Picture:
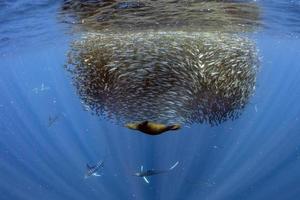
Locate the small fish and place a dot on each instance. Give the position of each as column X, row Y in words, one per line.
column 52, row 120
column 42, row 88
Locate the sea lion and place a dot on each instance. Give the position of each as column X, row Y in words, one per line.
column 152, row 128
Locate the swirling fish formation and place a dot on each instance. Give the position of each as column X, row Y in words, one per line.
column 167, row 77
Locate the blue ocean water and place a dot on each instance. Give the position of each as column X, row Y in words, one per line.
column 255, row 157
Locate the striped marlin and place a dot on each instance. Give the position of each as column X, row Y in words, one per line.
column 93, row 170
column 151, row 172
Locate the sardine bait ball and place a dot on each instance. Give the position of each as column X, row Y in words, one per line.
column 166, row 77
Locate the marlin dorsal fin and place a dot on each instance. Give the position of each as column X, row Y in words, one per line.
column 171, row 168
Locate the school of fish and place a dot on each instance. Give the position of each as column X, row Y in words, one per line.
column 164, row 76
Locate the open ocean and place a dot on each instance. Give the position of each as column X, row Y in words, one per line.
column 48, row 134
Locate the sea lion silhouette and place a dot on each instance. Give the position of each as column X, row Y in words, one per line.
column 152, row 128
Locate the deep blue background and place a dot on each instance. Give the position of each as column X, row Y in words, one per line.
column 254, row 157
